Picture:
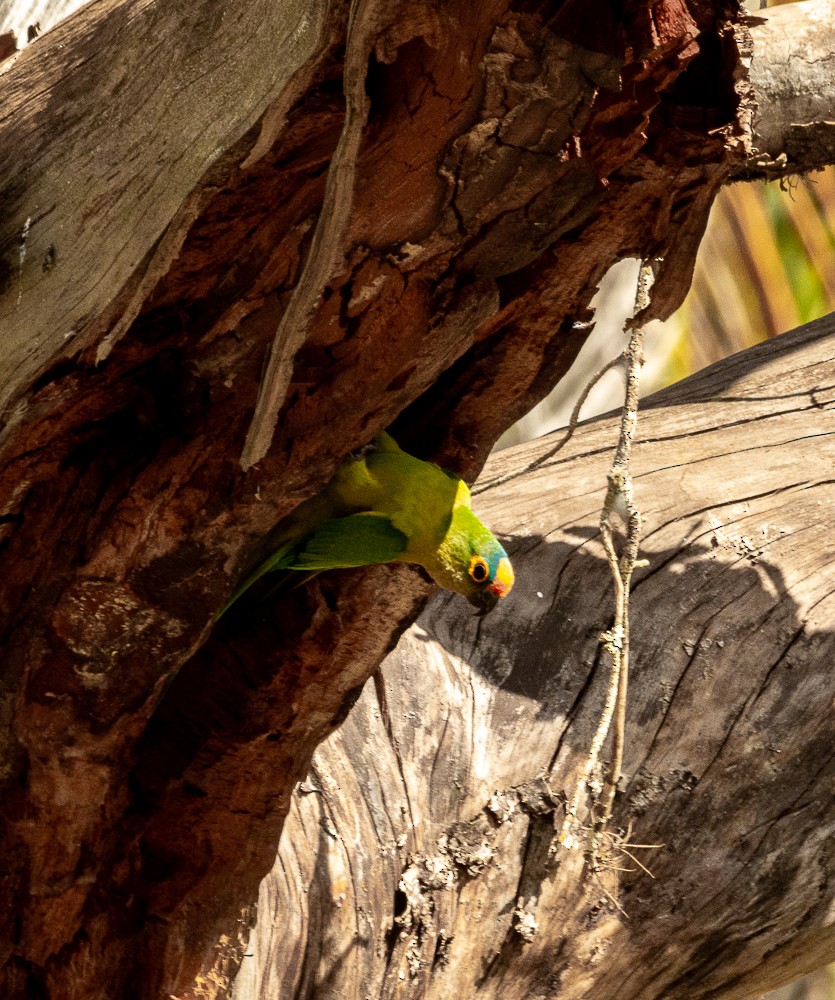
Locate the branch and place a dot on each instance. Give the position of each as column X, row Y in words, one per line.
column 620, row 502
column 439, row 800
column 793, row 76
column 328, row 245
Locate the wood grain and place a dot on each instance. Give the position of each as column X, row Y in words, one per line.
column 419, row 857
column 106, row 151
column 165, row 171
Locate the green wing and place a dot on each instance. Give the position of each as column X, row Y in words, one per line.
column 356, row 540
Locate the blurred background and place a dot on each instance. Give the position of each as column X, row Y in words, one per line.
column 819, row 985
column 766, row 265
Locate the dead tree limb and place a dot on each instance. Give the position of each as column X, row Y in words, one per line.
column 163, row 173
column 421, row 855
column 792, row 70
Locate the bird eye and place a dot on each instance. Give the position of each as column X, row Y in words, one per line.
column 479, row 570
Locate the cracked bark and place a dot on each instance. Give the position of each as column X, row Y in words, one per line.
column 164, row 176
column 729, row 755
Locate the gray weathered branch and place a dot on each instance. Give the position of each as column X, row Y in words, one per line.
column 420, row 855
column 793, row 75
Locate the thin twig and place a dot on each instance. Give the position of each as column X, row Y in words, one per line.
column 637, row 861
column 610, row 640
column 619, row 501
column 610, row 897
column 610, row 843
column 620, row 498
column 326, row 248
column 569, row 431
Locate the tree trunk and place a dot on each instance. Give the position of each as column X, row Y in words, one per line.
column 430, row 192
column 421, row 856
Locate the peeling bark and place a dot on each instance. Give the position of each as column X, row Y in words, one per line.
column 420, row 856
column 164, row 180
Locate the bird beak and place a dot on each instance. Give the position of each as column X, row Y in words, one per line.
column 485, row 601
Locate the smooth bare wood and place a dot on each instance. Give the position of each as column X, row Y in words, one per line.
column 16, row 16
column 109, row 122
column 420, row 857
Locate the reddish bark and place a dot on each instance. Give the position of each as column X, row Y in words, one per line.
column 508, row 159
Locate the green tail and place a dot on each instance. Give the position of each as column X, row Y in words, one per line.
column 282, row 559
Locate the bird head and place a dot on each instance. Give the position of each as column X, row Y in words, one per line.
column 472, row 562
column 490, row 577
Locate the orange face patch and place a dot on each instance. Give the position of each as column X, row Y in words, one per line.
column 503, row 580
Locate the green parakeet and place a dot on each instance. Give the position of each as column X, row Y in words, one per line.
column 388, row 506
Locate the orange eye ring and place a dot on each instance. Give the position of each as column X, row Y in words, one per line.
column 479, row 570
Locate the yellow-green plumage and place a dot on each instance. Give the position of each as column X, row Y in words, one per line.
column 389, row 506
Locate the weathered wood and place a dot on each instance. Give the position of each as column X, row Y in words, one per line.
column 109, row 122
column 163, row 169
column 419, row 858
column 792, row 72
column 508, row 159
column 23, row 18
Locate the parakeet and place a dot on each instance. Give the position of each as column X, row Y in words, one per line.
column 387, row 506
